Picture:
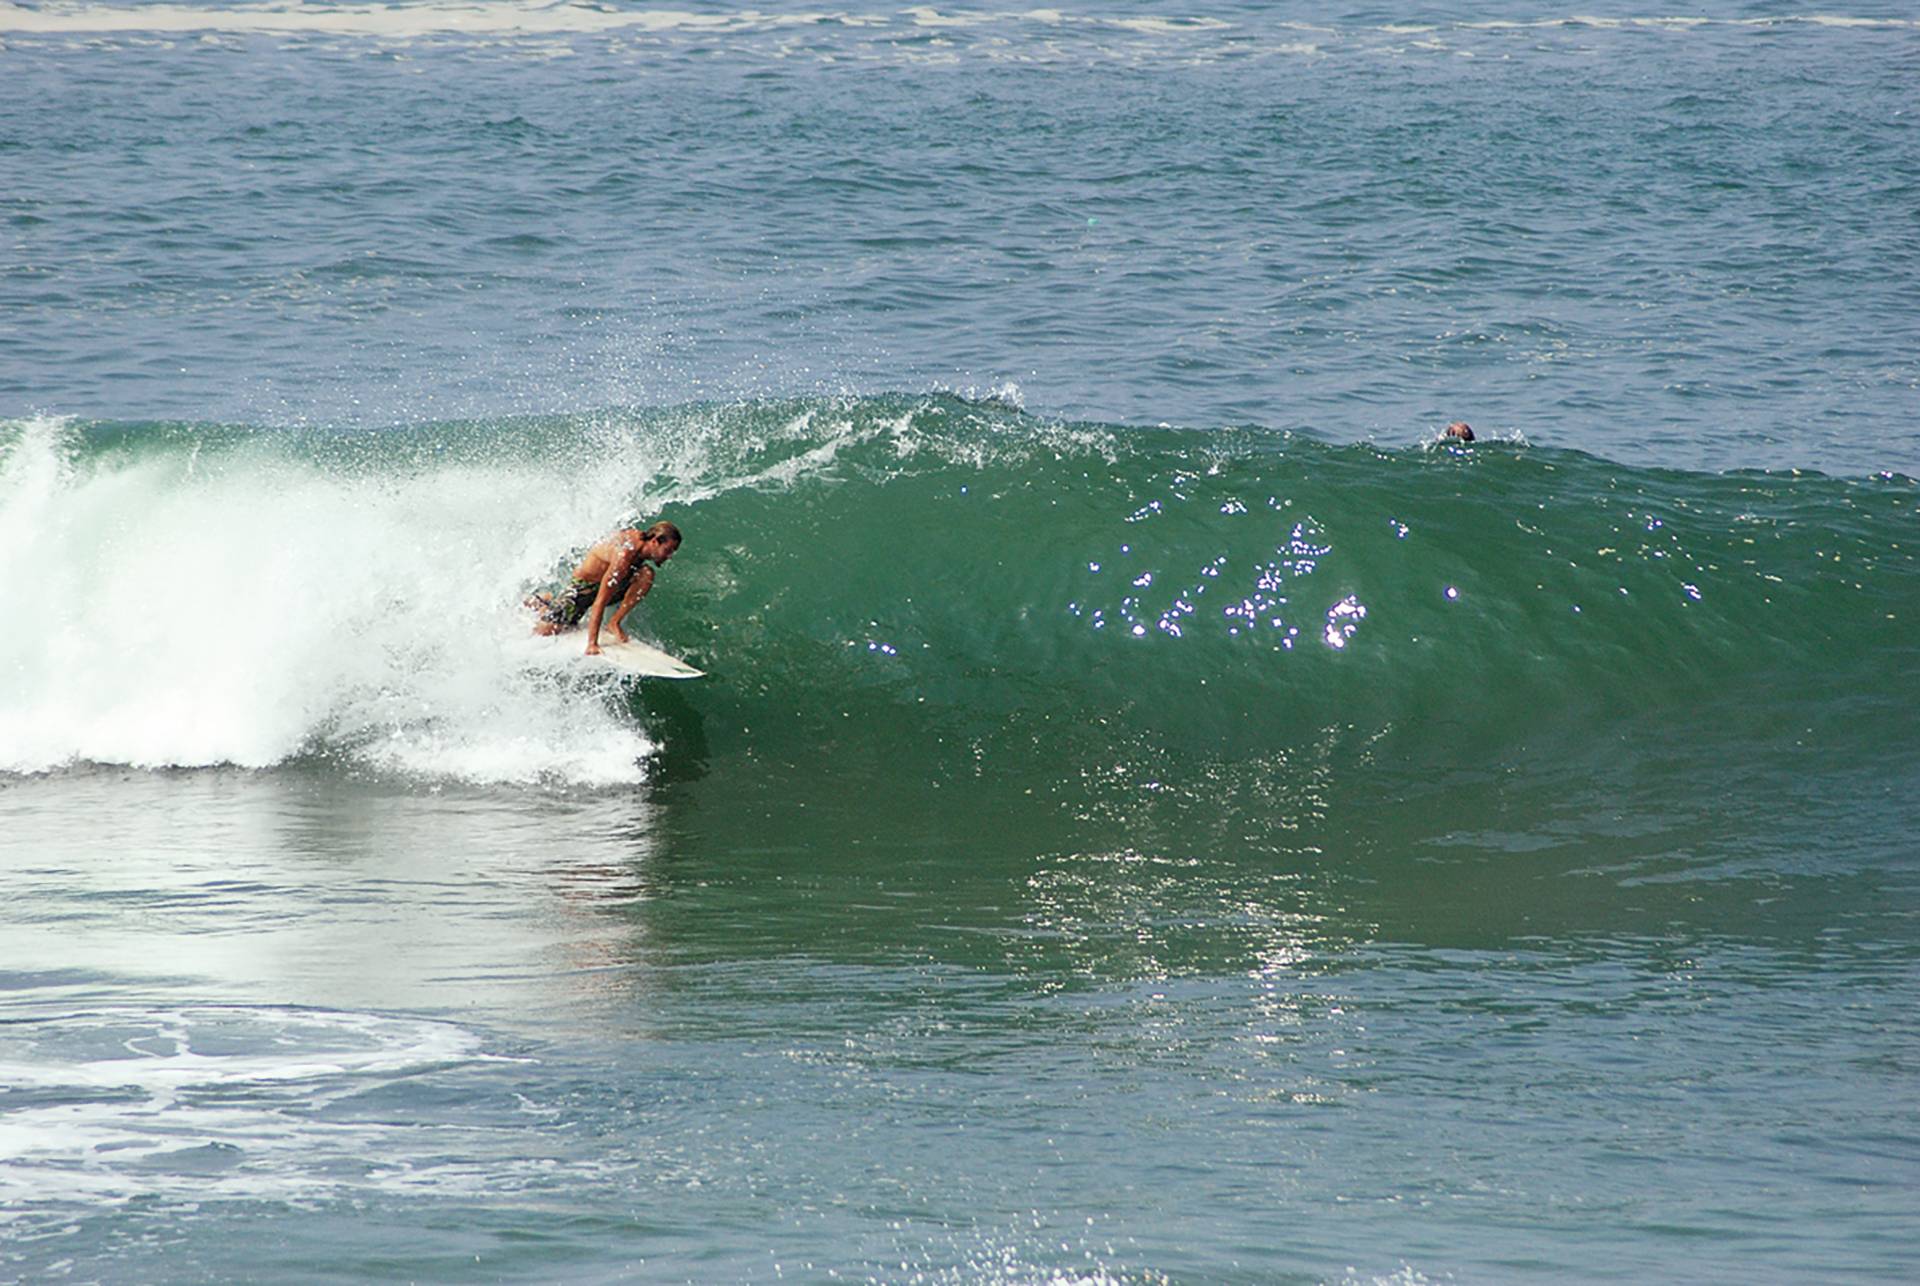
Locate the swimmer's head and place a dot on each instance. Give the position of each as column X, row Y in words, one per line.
column 1459, row 429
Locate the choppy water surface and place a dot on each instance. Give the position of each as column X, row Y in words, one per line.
column 1154, row 813
column 1687, row 241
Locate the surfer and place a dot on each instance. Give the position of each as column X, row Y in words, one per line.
column 618, row 569
column 1459, row 429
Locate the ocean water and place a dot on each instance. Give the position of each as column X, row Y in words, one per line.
column 1155, row 813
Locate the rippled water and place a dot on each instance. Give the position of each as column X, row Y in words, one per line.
column 541, row 1037
column 1687, row 242
column 1154, row 814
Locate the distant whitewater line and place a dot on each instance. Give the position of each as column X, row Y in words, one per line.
column 500, row 18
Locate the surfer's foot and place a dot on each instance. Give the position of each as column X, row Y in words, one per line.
column 541, row 604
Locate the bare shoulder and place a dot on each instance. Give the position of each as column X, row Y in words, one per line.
column 613, row 546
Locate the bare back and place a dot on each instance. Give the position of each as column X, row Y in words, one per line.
column 611, row 554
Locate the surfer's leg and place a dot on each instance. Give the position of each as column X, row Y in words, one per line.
column 568, row 612
column 543, row 606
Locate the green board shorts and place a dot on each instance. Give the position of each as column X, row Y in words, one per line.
column 567, row 608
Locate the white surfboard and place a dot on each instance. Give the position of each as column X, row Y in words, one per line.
column 633, row 656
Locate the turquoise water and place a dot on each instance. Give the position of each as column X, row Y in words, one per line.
column 1155, row 813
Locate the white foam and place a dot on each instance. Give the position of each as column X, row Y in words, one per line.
column 927, row 16
column 391, row 21
column 505, row 18
column 125, row 1104
column 1168, row 26
column 180, row 609
column 508, row 19
column 1679, row 23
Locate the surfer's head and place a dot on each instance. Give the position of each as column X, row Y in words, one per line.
column 662, row 539
column 1459, row 429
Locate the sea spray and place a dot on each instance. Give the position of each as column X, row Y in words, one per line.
column 181, row 606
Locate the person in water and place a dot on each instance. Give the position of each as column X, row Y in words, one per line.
column 1459, row 429
column 617, row 570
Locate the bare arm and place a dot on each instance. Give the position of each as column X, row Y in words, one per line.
column 636, row 590
column 617, row 568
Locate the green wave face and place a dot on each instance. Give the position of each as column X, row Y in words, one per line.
column 939, row 589
column 961, row 567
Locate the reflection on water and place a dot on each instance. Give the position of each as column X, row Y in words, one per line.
column 1132, row 916
column 229, row 986
column 866, row 1017
column 284, row 887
